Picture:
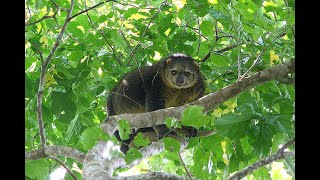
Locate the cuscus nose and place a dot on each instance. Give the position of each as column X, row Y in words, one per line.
column 180, row 80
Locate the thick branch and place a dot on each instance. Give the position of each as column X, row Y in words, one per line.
column 55, row 151
column 97, row 167
column 279, row 155
column 42, row 77
column 209, row 102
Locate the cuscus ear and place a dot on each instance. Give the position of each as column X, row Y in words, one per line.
column 168, row 61
column 195, row 64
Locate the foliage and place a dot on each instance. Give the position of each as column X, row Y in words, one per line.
column 99, row 46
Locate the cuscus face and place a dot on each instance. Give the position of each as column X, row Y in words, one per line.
column 180, row 71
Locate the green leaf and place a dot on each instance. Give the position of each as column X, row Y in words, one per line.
column 75, row 56
column 258, row 2
column 247, row 148
column 204, row 168
column 63, row 106
column 29, row 87
column 213, row 144
column 261, row 139
column 140, row 141
column 291, row 3
column 207, row 28
column 233, row 126
column 73, row 28
column 39, row 4
column 102, row 18
column 130, row 12
column 117, row 39
column 37, row 169
column 284, row 124
column 199, row 8
column 170, row 122
column 90, row 136
column 132, row 154
column 74, row 130
column 171, row 144
column 218, row 15
column 193, row 116
column 51, row 24
column 262, row 172
column 230, row 119
column 124, row 129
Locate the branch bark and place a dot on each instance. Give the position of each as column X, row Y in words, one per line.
column 220, row 51
column 44, row 67
column 55, row 151
column 279, row 155
column 95, row 166
column 64, row 166
column 209, row 102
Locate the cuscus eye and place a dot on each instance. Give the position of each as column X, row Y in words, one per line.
column 187, row 74
column 173, row 72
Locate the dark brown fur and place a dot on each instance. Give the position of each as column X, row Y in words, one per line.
column 148, row 89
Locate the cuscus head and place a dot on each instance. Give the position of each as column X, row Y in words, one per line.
column 180, row 71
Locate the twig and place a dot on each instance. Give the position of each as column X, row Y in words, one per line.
column 55, row 4
column 228, row 48
column 220, row 37
column 112, row 49
column 86, row 10
column 254, row 63
column 43, row 18
column 199, row 42
column 220, row 51
column 279, row 155
column 195, row 30
column 164, row 3
column 239, row 64
column 287, row 144
column 40, row 53
column 207, row 133
column 128, row 44
column 44, row 126
column 65, row 167
column 55, row 151
column 42, row 77
column 262, row 51
column 184, row 165
column 216, row 32
column 126, row 4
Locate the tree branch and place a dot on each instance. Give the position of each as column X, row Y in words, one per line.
column 220, row 51
column 43, row 18
column 199, row 32
column 185, row 167
column 86, row 10
column 95, row 166
column 209, row 102
column 55, row 151
column 64, row 166
column 279, row 155
column 42, row 77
